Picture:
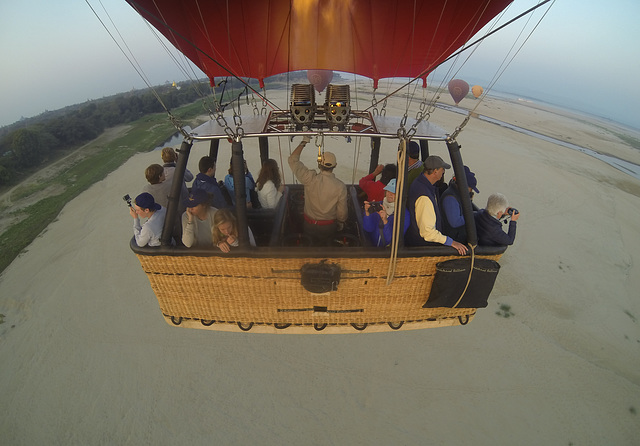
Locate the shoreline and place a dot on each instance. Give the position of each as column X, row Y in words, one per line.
column 89, row 359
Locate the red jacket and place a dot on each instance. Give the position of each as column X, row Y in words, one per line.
column 373, row 189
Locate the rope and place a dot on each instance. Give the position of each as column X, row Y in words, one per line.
column 473, row 259
column 393, row 258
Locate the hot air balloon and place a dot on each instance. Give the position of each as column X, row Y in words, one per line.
column 320, row 79
column 477, row 90
column 283, row 284
column 458, row 90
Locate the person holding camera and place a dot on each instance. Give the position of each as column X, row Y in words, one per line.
column 145, row 206
column 489, row 222
column 378, row 217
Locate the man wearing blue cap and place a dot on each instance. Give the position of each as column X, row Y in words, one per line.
column 451, row 202
column 149, row 233
column 378, row 224
column 197, row 221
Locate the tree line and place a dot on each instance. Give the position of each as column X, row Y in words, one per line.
column 31, row 142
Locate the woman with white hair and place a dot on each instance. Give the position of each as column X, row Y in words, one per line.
column 489, row 225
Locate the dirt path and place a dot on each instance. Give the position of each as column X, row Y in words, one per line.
column 10, row 205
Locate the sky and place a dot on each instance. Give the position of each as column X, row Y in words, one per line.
column 584, row 55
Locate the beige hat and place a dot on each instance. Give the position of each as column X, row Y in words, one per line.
column 328, row 160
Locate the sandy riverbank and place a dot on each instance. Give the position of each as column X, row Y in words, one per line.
column 87, row 358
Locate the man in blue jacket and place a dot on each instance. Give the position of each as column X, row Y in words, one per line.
column 206, row 180
column 426, row 221
column 489, row 226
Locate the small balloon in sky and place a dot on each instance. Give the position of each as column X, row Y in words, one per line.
column 477, row 90
column 458, row 89
column 320, row 78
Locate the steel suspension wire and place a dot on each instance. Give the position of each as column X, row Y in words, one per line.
column 138, row 69
column 466, row 47
column 500, row 72
column 200, row 50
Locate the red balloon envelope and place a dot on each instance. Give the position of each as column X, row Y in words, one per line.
column 458, row 89
column 373, row 38
column 320, row 78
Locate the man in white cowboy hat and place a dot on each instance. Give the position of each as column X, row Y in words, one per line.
column 325, row 196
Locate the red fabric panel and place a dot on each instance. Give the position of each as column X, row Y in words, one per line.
column 373, row 38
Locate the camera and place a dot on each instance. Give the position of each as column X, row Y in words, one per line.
column 512, row 211
column 375, row 206
column 127, row 198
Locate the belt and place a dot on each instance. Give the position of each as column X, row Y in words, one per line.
column 318, row 222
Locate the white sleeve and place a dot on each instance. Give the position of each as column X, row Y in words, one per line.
column 188, row 236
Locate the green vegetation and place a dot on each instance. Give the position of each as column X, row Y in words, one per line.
column 95, row 164
column 505, row 311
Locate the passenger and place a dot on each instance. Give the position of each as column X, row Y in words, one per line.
column 206, row 180
column 225, row 231
column 169, row 156
column 325, row 205
column 149, row 233
column 426, row 222
column 451, row 202
column 375, row 189
column 197, row 221
column 489, row 225
column 414, row 165
column 249, row 184
column 269, row 184
column 157, row 186
column 379, row 225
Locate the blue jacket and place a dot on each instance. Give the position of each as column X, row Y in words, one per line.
column 422, row 187
column 210, row 185
column 452, row 218
column 371, row 225
column 490, row 231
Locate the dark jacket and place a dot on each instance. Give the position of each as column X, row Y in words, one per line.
column 205, row 182
column 453, row 223
column 490, row 231
column 421, row 186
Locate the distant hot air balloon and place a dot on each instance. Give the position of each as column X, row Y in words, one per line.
column 477, row 90
column 320, row 78
column 458, row 89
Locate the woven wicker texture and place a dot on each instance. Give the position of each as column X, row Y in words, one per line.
column 268, row 291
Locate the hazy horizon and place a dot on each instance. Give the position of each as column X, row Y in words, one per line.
column 582, row 56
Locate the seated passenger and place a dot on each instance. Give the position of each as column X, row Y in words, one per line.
column 206, row 180
column 157, row 186
column 225, row 231
column 249, row 184
column 375, row 189
column 379, row 224
column 489, row 225
column 197, row 221
column 450, row 201
column 426, row 221
column 269, row 184
column 149, row 233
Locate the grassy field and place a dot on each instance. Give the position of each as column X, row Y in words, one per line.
column 94, row 164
